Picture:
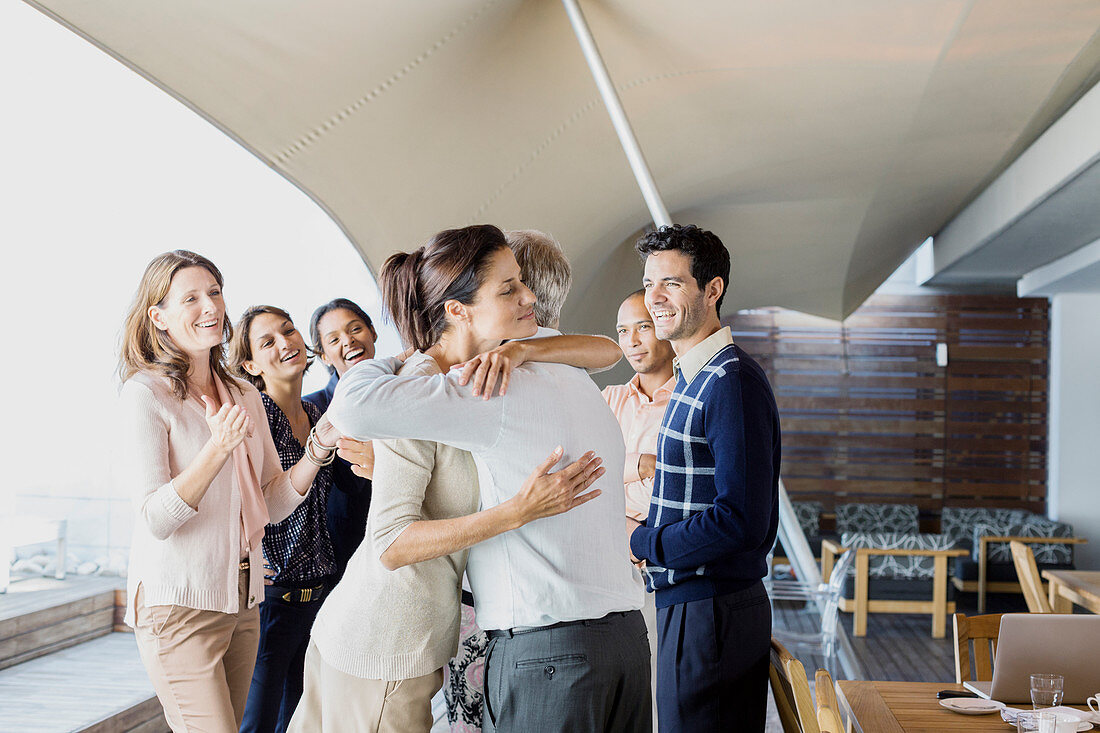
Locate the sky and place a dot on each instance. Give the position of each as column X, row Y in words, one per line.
column 102, row 171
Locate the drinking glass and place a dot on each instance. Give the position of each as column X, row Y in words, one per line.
column 1036, row 722
column 1046, row 690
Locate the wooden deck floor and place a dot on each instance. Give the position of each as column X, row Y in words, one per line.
column 38, row 594
column 72, row 689
column 897, row 646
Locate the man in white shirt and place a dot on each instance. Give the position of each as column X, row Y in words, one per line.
column 568, row 646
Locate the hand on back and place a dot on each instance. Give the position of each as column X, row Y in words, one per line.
column 546, row 493
column 485, row 370
column 359, row 453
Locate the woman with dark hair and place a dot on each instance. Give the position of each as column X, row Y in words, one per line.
column 206, row 479
column 343, row 334
column 382, row 638
column 268, row 351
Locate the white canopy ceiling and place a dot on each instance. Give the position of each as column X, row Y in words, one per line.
column 822, row 141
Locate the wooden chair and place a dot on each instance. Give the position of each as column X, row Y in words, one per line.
column 807, row 716
column 782, row 689
column 983, row 562
column 828, row 712
column 983, row 632
column 1028, row 572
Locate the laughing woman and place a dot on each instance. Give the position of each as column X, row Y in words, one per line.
column 269, row 352
column 343, row 335
column 198, row 459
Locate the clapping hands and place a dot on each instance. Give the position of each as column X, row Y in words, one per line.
column 229, row 424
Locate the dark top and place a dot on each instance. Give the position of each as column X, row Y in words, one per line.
column 715, row 507
column 298, row 548
column 349, row 502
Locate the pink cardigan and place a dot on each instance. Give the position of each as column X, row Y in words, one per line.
column 179, row 555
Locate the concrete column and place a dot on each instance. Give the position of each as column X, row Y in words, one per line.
column 1074, row 449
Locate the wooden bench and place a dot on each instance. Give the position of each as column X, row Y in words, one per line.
column 30, row 531
column 938, row 606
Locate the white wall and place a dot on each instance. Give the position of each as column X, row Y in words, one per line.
column 1074, row 450
column 103, row 172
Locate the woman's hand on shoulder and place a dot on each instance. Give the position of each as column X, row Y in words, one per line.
column 496, row 365
column 546, row 493
column 229, row 424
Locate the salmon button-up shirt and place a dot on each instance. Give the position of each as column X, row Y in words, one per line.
column 640, row 420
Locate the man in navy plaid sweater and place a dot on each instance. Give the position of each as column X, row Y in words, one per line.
column 714, row 511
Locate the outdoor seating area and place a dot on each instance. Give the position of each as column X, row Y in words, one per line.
column 902, row 570
column 901, row 677
column 986, row 533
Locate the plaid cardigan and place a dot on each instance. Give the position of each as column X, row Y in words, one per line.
column 714, row 512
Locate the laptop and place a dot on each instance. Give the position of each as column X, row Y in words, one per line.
column 1034, row 643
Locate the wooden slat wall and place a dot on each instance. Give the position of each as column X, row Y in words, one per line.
column 868, row 416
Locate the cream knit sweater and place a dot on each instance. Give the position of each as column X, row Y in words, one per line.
column 183, row 556
column 393, row 625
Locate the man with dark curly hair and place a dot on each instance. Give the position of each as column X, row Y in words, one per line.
column 714, row 512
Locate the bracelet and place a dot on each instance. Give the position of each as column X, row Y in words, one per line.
column 327, row 450
column 313, row 445
column 317, row 441
column 319, row 462
column 314, row 461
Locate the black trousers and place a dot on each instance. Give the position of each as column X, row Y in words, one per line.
column 277, row 679
column 712, row 663
column 586, row 676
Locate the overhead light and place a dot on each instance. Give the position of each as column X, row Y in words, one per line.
column 941, row 354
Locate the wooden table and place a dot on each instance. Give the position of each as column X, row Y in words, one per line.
column 1073, row 586
column 908, row 707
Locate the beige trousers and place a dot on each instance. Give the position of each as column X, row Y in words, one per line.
column 200, row 662
column 335, row 702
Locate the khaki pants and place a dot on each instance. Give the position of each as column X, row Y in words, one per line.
column 200, row 662
column 335, row 702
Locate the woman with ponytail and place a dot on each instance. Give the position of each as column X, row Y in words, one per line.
column 381, row 640
column 197, row 457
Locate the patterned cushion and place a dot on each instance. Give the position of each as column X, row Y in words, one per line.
column 958, row 522
column 1031, row 525
column 907, row 567
column 809, row 516
column 893, row 518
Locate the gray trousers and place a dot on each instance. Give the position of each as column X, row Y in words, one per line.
column 573, row 678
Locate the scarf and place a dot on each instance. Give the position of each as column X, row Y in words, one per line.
column 254, row 516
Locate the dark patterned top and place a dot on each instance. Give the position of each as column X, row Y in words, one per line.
column 298, row 548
